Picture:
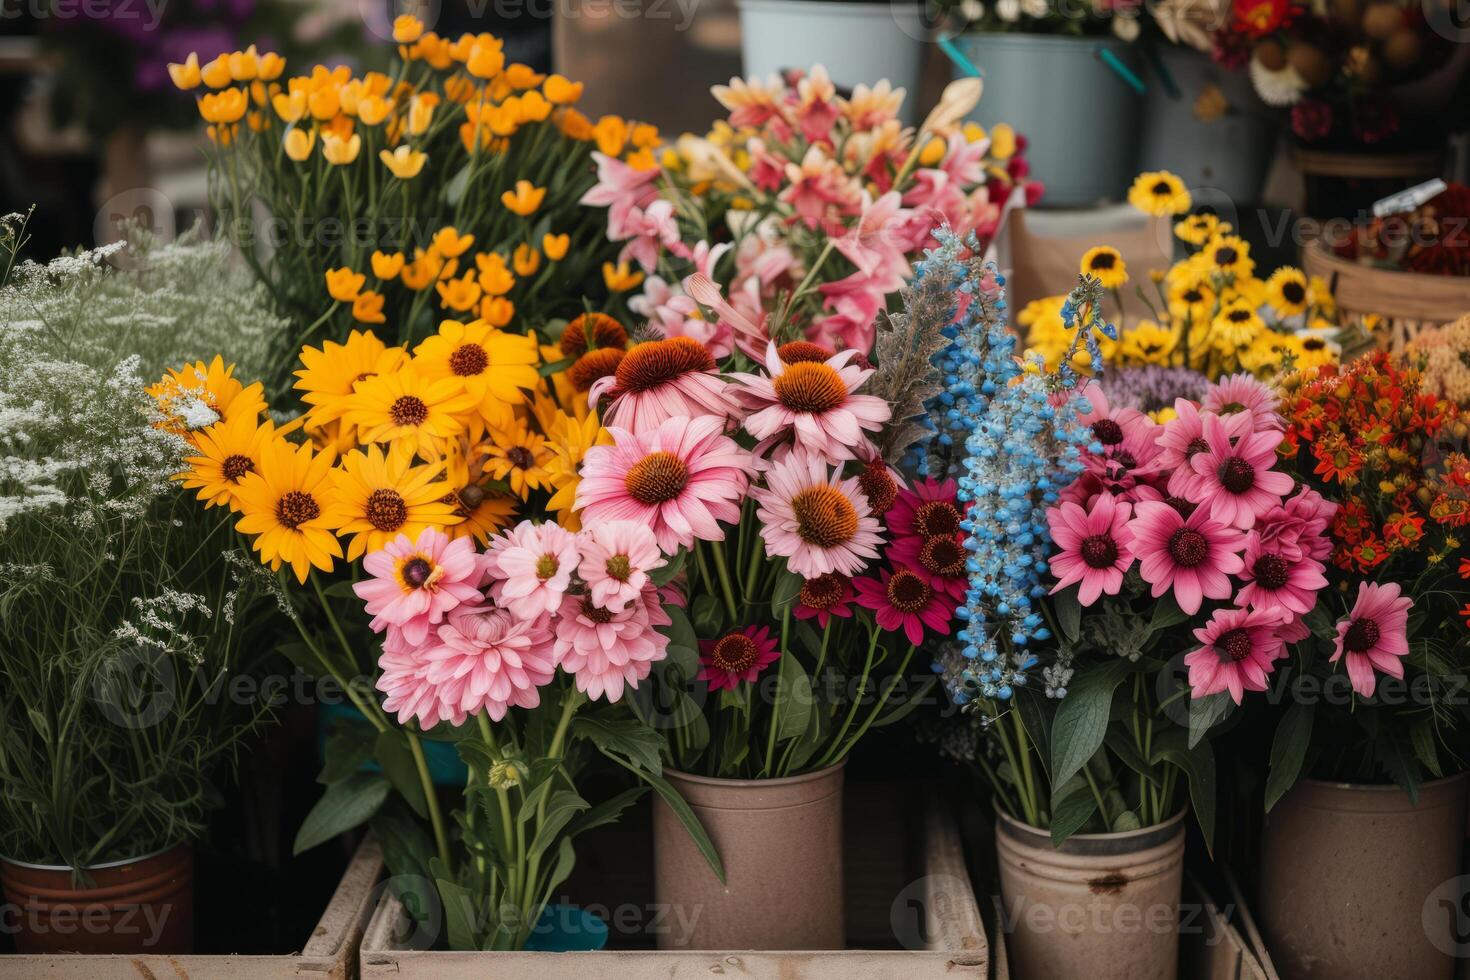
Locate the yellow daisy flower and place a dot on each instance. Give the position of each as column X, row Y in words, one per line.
column 1314, row 351
column 1192, row 301
column 406, row 407
column 1159, row 193
column 495, row 367
column 1287, row 291
column 518, row 455
column 568, row 439
column 382, row 495
column 1236, row 326
column 1105, row 264
column 329, row 375
column 1229, row 255
column 481, row 511
column 197, row 395
column 286, row 503
column 1321, row 296
column 1147, row 343
column 228, row 451
column 1197, row 229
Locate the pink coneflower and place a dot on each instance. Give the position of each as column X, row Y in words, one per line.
column 1273, row 579
column 824, row 597
column 1183, row 438
column 1125, row 444
column 680, row 479
column 1236, row 481
column 1242, row 393
column 1095, row 546
column 1374, row 635
column 606, row 650
column 416, row 583
column 1194, row 556
column 813, row 403
column 813, row 518
column 530, row 566
column 616, row 559
column 902, row 599
column 661, row 379
column 928, row 509
column 1110, row 426
column 736, row 657
column 1239, row 647
column 940, row 559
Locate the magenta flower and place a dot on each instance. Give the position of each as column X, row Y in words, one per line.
column 1375, row 635
column 416, row 583
column 811, row 404
column 927, row 509
column 1110, row 426
column 736, row 657
column 824, row 597
column 616, row 559
column 1183, row 438
column 901, row 599
column 529, row 568
column 1095, row 547
column 1236, row 482
column 1273, row 579
column 1242, row 393
column 1192, row 556
column 1237, row 652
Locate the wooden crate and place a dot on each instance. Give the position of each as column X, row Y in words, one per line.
column 1408, row 302
column 329, row 954
column 949, row 943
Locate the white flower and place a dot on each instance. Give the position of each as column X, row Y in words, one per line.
column 1277, row 88
column 972, row 10
column 1008, row 10
column 1035, row 8
column 1125, row 27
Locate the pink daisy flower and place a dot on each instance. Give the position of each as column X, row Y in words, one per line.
column 1286, row 581
column 736, row 657
column 1375, row 635
column 813, row 518
column 530, row 567
column 1242, row 393
column 616, row 559
column 661, row 379
column 1095, row 547
column 927, row 509
column 901, row 599
column 813, row 402
column 1124, row 468
column 1236, row 481
column 1237, row 652
column 416, row 583
column 941, row 560
column 1110, row 426
column 1183, row 438
column 1194, row 556
column 605, row 650
column 680, row 479
column 824, row 597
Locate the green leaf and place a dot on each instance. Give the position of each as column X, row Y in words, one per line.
column 396, row 760
column 1069, row 612
column 911, row 701
column 566, row 859
column 1166, row 614
column 1081, row 720
column 607, row 812
column 680, row 631
column 459, row 911
column 1198, row 764
column 794, row 698
column 341, row 590
column 1037, row 711
column 1205, row 712
column 407, row 848
column 623, row 739
column 344, row 805
column 1396, row 764
column 547, row 370
column 686, row 816
column 1425, row 746
column 665, row 575
column 1072, row 806
column 1120, row 743
column 708, row 615
column 1289, row 750
column 1126, row 821
column 788, row 587
column 476, row 755
column 561, row 807
column 347, row 748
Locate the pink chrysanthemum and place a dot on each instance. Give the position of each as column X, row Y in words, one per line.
column 480, row 659
column 1095, row 547
column 1236, row 481
column 1374, row 635
column 1283, row 580
column 616, row 559
column 824, row 597
column 813, row 518
column 416, row 583
column 1193, row 556
column 736, row 657
column 1238, row 650
column 680, row 479
column 1316, row 513
column 661, row 379
column 1183, row 438
column 1243, row 393
column 813, row 403
column 529, row 567
column 605, row 650
column 901, row 599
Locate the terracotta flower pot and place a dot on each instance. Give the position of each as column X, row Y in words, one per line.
column 781, row 844
column 1101, row 906
column 1347, row 873
column 140, row 906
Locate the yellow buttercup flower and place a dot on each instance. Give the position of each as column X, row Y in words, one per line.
column 197, row 395
column 1159, row 193
column 343, row 284
column 270, row 67
column 526, row 260
column 525, row 199
column 373, row 109
column 328, row 376
column 368, row 307
column 494, row 367
column 298, row 143
column 497, row 310
column 449, row 243
column 933, row 152
column 286, row 504
column 555, row 246
column 216, row 74
column 561, row 91
column 228, row 450
column 407, row 28
column 459, row 295
column 1105, row 264
column 324, row 103
column 291, row 107
column 186, row 76
column 611, row 134
column 405, row 163
column 1147, row 343
column 620, row 278
column 421, row 113
column 1287, row 291
column 405, row 407
column 339, row 151
column 422, row 271
column 387, row 265
column 1002, row 141
column 485, row 60
column 381, row 495
column 495, row 278
column 227, row 106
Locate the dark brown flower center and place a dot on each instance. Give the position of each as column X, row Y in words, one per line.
column 1361, row 636
column 1188, row 548
column 797, row 351
column 408, row 410
column 878, row 486
column 810, row 386
column 1293, row 292
column 469, row 360
column 824, row 591
column 1226, row 255
column 1193, row 296
column 936, row 518
column 1108, row 432
column 943, row 556
column 595, row 614
column 1162, row 189
column 1099, row 551
column 416, row 572
column 1196, row 446
column 1235, row 644
column 520, row 457
column 1104, row 260
column 656, row 478
column 236, row 466
column 1182, row 506
column 658, row 362
column 296, row 507
column 734, row 652
column 1271, row 572
column 605, row 332
column 386, row 510
column 907, row 592
column 1236, row 475
column 824, row 516
column 1314, row 343
column 1239, row 315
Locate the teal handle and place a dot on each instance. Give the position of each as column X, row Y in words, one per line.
column 1121, row 70
column 953, row 52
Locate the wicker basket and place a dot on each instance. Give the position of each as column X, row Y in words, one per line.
column 1406, row 302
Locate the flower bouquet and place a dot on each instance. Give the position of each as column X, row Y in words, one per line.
column 806, row 207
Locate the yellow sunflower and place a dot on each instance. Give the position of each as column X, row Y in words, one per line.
column 406, row 407
column 1159, row 193
column 495, row 367
column 382, row 495
column 481, row 511
column 1236, row 326
column 1321, row 296
column 228, row 450
column 198, row 395
column 1197, row 229
column 1192, row 301
column 568, row 440
column 1229, row 255
column 1314, row 351
column 518, row 455
column 286, row 502
column 1105, row 264
column 329, row 375
column 1147, row 343
column 1267, row 352
column 1287, row 291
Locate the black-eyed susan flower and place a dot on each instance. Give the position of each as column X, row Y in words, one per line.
column 197, row 395
column 1192, row 300
column 1197, row 229
column 227, row 451
column 1159, row 193
column 329, row 375
column 1287, row 291
column 1105, row 264
column 1147, row 343
column 568, row 440
column 482, row 511
column 381, row 495
column 286, row 505
column 494, row 367
column 518, row 455
column 1229, row 255
column 1236, row 326
column 525, row 199
column 406, row 407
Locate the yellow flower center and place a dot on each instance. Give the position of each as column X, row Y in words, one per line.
column 808, row 386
